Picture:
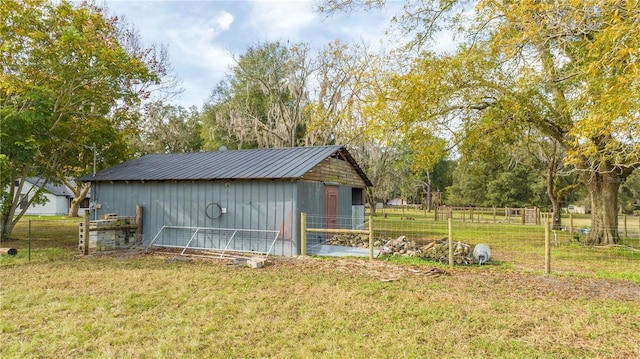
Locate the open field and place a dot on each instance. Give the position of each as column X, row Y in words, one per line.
column 154, row 305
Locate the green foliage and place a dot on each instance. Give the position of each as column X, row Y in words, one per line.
column 262, row 103
column 561, row 74
column 169, row 129
column 499, row 184
column 630, row 193
column 70, row 83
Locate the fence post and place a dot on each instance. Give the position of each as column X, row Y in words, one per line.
column 450, row 244
column 524, row 219
column 625, row 226
column 138, row 233
column 370, row 237
column 303, row 233
column 547, row 247
column 87, row 217
column 494, row 214
column 29, row 239
column 570, row 222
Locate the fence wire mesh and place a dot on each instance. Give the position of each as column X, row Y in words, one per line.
column 513, row 244
column 42, row 238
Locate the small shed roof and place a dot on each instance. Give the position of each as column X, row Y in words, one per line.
column 264, row 163
column 57, row 189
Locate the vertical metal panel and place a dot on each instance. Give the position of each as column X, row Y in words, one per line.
column 249, row 205
column 311, row 197
column 344, row 201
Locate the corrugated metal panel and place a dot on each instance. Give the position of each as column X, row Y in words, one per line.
column 272, row 163
column 265, row 205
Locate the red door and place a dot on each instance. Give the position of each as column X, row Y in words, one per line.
column 331, row 206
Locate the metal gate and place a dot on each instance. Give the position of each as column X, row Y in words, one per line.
column 216, row 241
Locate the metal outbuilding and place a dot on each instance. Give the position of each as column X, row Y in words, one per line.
column 207, row 197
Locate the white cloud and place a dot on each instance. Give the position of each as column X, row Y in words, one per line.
column 223, row 20
column 276, row 20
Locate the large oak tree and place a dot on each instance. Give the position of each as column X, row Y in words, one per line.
column 567, row 68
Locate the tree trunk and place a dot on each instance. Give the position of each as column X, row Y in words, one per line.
column 556, row 224
column 6, row 227
column 429, row 194
column 80, row 192
column 372, row 201
column 603, row 190
column 73, row 208
column 554, row 197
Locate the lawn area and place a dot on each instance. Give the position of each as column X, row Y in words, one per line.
column 154, row 305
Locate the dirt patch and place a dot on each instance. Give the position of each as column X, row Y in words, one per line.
column 535, row 284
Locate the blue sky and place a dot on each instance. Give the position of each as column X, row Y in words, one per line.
column 201, row 36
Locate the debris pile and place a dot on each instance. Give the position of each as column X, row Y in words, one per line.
column 434, row 249
column 353, row 240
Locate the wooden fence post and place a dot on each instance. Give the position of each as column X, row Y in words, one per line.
column 450, row 244
column 370, row 237
column 138, row 234
column 85, row 233
column 547, row 247
column 570, row 222
column 303, row 233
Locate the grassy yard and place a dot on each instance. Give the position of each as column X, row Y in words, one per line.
column 154, row 305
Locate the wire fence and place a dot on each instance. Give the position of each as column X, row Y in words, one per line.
column 513, row 244
column 42, row 238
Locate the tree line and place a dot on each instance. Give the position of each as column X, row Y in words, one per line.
column 537, row 105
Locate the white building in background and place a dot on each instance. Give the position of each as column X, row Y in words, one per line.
column 578, row 209
column 397, row 201
column 58, row 199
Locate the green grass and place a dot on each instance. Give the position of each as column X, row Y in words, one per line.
column 153, row 307
column 63, row 304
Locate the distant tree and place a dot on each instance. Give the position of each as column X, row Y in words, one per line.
column 630, row 193
column 169, row 129
column 262, row 102
column 377, row 161
column 495, row 184
column 342, row 74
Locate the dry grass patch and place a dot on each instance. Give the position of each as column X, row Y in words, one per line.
column 151, row 306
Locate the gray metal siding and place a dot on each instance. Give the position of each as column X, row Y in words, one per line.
column 344, row 201
column 265, row 205
column 312, row 199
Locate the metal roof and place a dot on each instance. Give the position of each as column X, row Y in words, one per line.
column 265, row 163
column 57, row 189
